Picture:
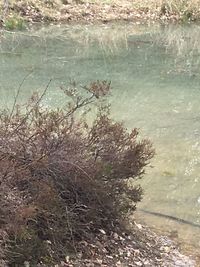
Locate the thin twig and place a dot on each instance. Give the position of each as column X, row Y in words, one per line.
column 18, row 92
column 28, row 113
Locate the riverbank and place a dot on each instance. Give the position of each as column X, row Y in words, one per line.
column 141, row 248
column 16, row 13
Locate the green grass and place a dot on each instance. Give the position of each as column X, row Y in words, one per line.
column 14, row 23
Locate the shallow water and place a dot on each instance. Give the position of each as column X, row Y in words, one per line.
column 155, row 74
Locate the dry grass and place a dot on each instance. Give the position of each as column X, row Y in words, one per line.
column 105, row 10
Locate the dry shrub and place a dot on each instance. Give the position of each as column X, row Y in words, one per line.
column 61, row 179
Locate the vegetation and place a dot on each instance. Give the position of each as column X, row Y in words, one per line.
column 107, row 10
column 14, row 23
column 63, row 180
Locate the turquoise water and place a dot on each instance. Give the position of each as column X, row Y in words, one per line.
column 155, row 74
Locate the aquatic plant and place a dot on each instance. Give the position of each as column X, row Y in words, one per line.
column 61, row 178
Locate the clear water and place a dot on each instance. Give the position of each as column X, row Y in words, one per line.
column 155, row 74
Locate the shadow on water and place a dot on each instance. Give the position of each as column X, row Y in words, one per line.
column 155, row 76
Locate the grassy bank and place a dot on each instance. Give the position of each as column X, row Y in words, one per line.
column 16, row 12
